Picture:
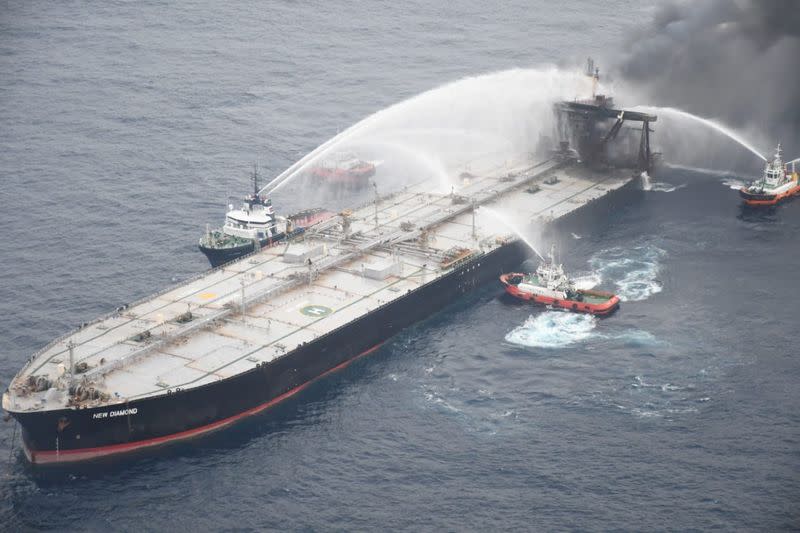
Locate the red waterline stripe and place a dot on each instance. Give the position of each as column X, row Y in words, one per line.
column 51, row 456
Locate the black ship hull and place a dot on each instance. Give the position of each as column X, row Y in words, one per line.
column 71, row 435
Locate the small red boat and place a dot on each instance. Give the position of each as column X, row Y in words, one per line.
column 550, row 286
column 309, row 217
column 344, row 169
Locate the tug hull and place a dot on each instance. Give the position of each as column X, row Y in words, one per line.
column 768, row 199
column 776, row 184
column 599, row 303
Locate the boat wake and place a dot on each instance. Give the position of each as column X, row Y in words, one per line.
column 637, row 338
column 634, row 270
column 588, row 281
column 559, row 329
column 734, row 183
column 477, row 411
column 667, row 400
column 553, row 329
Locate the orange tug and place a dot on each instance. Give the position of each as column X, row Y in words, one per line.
column 775, row 185
column 550, row 286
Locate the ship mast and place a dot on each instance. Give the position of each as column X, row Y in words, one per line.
column 593, row 72
column 377, row 200
column 255, row 180
column 71, row 347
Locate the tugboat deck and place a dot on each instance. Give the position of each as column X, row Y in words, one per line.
column 392, row 246
column 594, row 299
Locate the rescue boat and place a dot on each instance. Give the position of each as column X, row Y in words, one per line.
column 551, row 286
column 776, row 184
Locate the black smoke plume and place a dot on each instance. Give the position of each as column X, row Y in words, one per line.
column 735, row 60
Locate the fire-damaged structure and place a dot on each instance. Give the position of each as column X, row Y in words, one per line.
column 599, row 133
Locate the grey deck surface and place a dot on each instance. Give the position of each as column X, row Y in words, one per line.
column 287, row 304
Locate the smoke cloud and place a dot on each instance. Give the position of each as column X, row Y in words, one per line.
column 735, row 60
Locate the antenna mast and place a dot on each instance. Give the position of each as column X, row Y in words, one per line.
column 377, row 199
column 71, row 346
column 474, row 229
column 255, row 179
column 244, row 309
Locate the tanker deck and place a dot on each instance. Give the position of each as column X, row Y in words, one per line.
column 235, row 340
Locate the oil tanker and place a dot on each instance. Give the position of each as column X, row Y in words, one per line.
column 230, row 343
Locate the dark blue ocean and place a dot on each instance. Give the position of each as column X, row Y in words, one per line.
column 124, row 128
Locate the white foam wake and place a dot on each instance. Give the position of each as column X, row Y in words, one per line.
column 589, row 281
column 559, row 329
column 734, row 183
column 553, row 329
column 637, row 337
column 634, row 270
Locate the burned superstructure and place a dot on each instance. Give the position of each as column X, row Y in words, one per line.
column 603, row 134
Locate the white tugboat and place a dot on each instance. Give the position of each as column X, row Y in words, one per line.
column 254, row 225
column 776, row 184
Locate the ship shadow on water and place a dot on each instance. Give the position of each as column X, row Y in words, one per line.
column 758, row 214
